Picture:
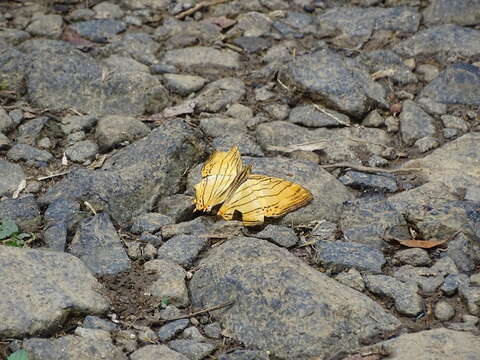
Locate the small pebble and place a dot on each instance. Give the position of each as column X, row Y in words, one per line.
column 444, row 311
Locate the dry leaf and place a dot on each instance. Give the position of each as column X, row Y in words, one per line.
column 73, row 37
column 423, row 244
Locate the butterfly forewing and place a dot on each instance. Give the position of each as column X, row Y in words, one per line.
column 264, row 196
column 221, row 174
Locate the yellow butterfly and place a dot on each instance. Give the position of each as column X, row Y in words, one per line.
column 226, row 181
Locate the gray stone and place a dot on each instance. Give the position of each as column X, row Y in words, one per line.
column 443, row 221
column 193, row 333
column 100, row 30
column 138, row 45
column 23, row 211
column 155, row 240
column 45, row 287
column 6, row 123
column 472, row 297
column 377, row 161
column 337, row 144
column 157, row 352
column 280, row 235
column 10, row 183
column 451, row 39
column 98, row 245
column 454, row 122
column 252, row 272
column 373, row 119
column 179, row 207
column 475, row 279
column 94, row 322
column 404, row 295
column 453, row 165
column 81, row 14
column 449, row 133
column 366, row 220
column 150, row 222
column 357, row 25
column 213, row 330
column 444, row 311
column 246, row 144
column 182, row 249
column 124, row 63
column 55, row 236
column 337, row 256
column 219, row 126
column 426, row 143
column 464, row 252
column 369, row 182
column 413, row 256
column 183, row 84
column 457, row 84
column 429, row 279
column 30, row 154
column 203, row 60
column 427, row 71
column 393, row 124
column 191, row 349
column 73, row 348
column 452, row 282
column 75, row 123
column 311, row 116
column 170, row 330
column 252, row 44
column 351, row 278
column 198, row 225
column 4, row 142
column 82, row 151
column 338, row 81
column 460, row 12
column 46, row 25
column 390, row 63
column 106, row 10
column 432, row 107
column 134, row 177
column 14, row 36
column 85, row 85
column 13, row 66
column 441, row 344
column 245, row 355
column 170, row 282
column 217, row 95
column 415, row 123
column 277, row 111
column 113, row 130
column 30, row 130
column 469, row 324
column 169, row 313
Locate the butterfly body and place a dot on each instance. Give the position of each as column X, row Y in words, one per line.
column 225, row 181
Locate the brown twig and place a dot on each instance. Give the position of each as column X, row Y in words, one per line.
column 199, row 6
column 369, row 169
column 203, row 311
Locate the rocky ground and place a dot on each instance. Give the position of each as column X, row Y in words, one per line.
column 107, row 112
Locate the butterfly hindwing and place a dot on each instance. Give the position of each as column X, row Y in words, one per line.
column 262, row 196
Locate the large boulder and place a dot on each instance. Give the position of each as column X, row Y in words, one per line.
column 277, row 297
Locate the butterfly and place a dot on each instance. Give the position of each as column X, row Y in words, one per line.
column 227, row 182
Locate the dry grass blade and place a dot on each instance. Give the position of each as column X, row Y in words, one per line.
column 382, row 73
column 309, row 146
column 330, row 115
column 20, row 188
column 369, row 169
